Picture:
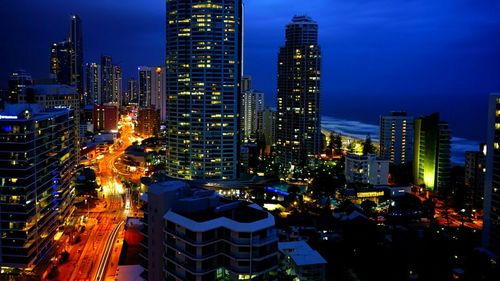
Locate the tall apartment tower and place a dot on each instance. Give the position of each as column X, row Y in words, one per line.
column 35, row 156
column 203, row 72
column 252, row 102
column 194, row 234
column 475, row 170
column 132, row 90
column 432, row 150
column 298, row 134
column 94, row 87
column 152, row 91
column 66, row 59
column 106, row 79
column 396, row 137
column 266, row 129
column 117, row 85
column 491, row 211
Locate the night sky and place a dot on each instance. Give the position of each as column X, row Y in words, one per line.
column 420, row 56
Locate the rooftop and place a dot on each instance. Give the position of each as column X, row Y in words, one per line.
column 301, row 253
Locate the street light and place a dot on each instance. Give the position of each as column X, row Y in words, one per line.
column 88, row 210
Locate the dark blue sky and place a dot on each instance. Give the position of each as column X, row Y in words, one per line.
column 415, row 55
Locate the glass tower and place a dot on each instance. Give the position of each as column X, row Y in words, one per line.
column 298, row 123
column 203, row 71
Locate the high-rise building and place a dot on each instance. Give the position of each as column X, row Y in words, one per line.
column 76, row 58
column 266, row 128
column 491, row 209
column 396, row 137
column 36, row 149
column 66, row 59
column 475, row 170
column 18, row 81
column 131, row 96
column 246, row 83
column 148, row 121
column 105, row 117
column 60, row 62
column 193, row 234
column 298, row 132
column 106, row 79
column 432, row 150
column 152, row 90
column 252, row 102
column 203, row 72
column 94, row 88
column 117, row 88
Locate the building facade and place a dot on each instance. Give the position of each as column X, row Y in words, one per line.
column 132, row 90
column 18, row 81
column 93, row 87
column 252, row 102
column 475, row 170
column 152, row 92
column 36, row 169
column 117, row 88
column 205, row 237
column 300, row 260
column 266, row 129
column 432, row 152
column 396, row 137
column 203, row 72
column 367, row 169
column 148, row 121
column 105, row 117
column 106, row 79
column 491, row 209
column 298, row 132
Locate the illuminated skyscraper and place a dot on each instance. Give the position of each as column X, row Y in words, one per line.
column 117, row 88
column 93, row 90
column 66, row 58
column 396, row 137
column 432, row 149
column 18, row 81
column 252, row 102
column 106, row 79
column 152, row 92
column 298, row 134
column 131, row 96
column 203, row 71
column 491, row 209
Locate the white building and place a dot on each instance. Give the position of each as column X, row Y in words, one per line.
column 299, row 259
column 193, row 234
column 151, row 85
column 252, row 102
column 366, row 169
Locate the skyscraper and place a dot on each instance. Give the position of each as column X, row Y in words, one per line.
column 298, row 133
column 94, row 90
column 76, row 58
column 475, row 170
column 131, row 96
column 66, row 58
column 491, row 209
column 252, row 102
column 117, row 85
column 152, row 90
column 106, row 79
column 203, row 71
column 431, row 157
column 35, row 151
column 396, row 137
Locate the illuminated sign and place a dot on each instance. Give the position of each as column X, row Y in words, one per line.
column 370, row 194
column 8, row 117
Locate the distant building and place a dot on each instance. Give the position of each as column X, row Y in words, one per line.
column 298, row 131
column 148, row 121
column 106, row 79
column 131, row 96
column 117, row 88
column 366, row 169
column 252, row 102
column 475, row 171
column 266, row 129
column 491, row 209
column 36, row 149
column 432, row 150
column 105, row 117
column 18, row 81
column 66, row 58
column 300, row 260
column 151, row 89
column 94, row 87
column 396, row 137
column 246, row 83
column 193, row 234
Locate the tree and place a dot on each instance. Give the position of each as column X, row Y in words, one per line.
column 368, row 147
column 368, row 206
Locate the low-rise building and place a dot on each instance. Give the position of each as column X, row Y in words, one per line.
column 367, row 169
column 300, row 260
